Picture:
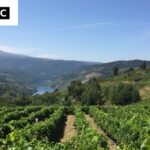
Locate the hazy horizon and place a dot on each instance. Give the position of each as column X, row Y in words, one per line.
column 95, row 31
column 74, row 59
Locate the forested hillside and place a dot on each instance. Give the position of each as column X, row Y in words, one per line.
column 20, row 75
column 125, row 87
column 99, row 70
column 36, row 69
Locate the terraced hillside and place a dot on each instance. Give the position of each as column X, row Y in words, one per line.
column 94, row 127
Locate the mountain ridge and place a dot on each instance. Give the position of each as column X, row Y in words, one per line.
column 101, row 70
column 37, row 68
column 57, row 73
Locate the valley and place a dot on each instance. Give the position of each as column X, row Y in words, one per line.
column 93, row 106
column 75, row 75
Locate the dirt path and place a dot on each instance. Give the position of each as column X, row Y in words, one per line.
column 111, row 143
column 69, row 130
column 144, row 92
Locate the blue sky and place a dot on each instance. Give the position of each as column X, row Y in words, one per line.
column 89, row 30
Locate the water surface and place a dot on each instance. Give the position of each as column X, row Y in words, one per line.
column 43, row 89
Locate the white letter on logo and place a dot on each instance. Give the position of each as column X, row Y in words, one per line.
column 2, row 12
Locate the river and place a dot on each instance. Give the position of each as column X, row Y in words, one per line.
column 43, row 89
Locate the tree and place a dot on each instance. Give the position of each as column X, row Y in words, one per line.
column 92, row 94
column 123, row 94
column 86, row 94
column 23, row 101
column 143, row 65
column 76, row 89
column 115, row 71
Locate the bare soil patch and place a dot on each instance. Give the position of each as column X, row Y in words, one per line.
column 111, row 143
column 145, row 92
column 69, row 130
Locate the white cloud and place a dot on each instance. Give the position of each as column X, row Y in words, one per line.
column 101, row 24
column 90, row 25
